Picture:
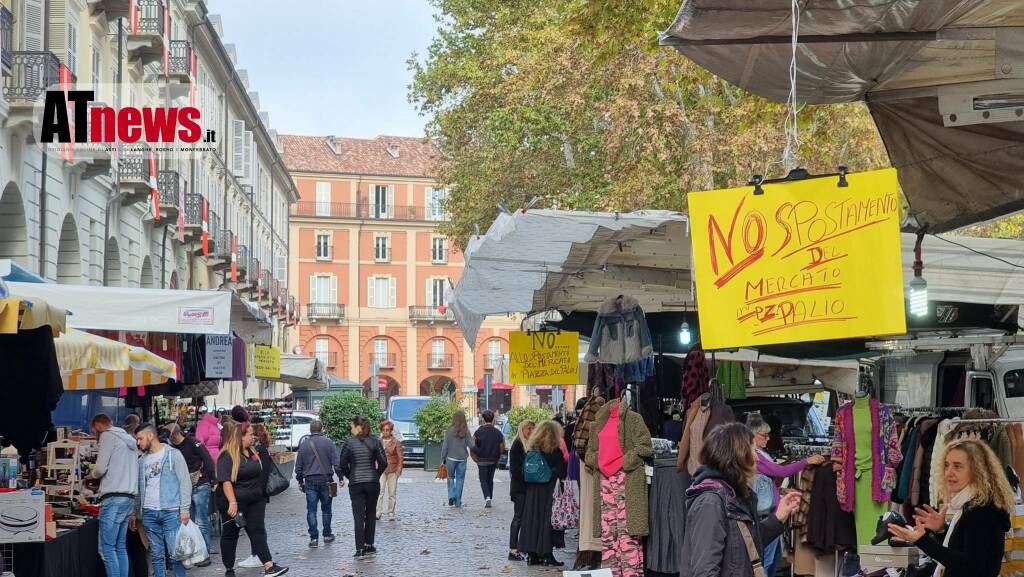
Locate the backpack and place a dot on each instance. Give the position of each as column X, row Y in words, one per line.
column 536, row 468
column 762, row 487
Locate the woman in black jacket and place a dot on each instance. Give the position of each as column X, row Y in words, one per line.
column 978, row 501
column 536, row 537
column 363, row 461
column 721, row 508
column 516, row 456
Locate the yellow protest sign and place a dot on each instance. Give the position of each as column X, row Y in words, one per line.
column 544, row 358
column 806, row 260
column 267, row 360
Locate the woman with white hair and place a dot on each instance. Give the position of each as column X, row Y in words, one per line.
column 764, row 483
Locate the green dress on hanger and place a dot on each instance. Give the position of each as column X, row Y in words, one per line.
column 865, row 510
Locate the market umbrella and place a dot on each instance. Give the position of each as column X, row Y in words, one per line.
column 90, row 362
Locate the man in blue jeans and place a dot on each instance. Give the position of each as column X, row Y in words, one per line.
column 165, row 497
column 314, row 469
column 202, row 470
column 118, row 476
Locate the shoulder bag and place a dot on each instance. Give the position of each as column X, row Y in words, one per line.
column 752, row 552
column 332, row 487
column 277, row 483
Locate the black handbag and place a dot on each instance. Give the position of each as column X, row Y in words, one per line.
column 277, row 483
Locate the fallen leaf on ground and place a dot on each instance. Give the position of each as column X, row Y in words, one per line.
column 425, row 552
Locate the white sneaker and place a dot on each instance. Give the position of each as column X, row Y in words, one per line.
column 487, row 504
column 251, row 563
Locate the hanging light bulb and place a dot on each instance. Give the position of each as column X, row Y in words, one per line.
column 918, row 296
column 684, row 334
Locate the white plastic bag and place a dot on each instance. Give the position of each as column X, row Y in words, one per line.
column 189, row 546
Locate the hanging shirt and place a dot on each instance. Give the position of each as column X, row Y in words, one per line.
column 237, row 359
column 609, row 453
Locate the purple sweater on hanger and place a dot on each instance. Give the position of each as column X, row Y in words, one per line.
column 769, row 468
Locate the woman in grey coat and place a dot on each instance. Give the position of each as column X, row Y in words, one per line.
column 720, row 508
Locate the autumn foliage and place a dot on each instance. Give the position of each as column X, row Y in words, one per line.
column 573, row 101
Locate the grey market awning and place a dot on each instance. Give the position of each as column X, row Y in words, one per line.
column 944, row 80
column 305, row 372
column 540, row 260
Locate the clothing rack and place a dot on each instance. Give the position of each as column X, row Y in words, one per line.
column 799, row 450
column 993, row 420
column 901, row 409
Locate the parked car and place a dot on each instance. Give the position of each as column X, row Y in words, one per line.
column 300, row 427
column 506, row 430
column 792, row 419
column 402, row 412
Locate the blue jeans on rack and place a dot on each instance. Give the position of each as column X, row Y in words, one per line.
column 456, row 480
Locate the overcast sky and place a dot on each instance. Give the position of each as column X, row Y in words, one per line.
column 331, row 66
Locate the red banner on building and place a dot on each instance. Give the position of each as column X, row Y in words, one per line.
column 154, row 187
column 206, row 228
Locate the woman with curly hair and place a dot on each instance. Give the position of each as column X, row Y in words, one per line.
column 966, row 537
column 536, row 537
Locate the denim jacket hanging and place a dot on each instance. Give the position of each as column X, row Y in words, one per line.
column 620, row 333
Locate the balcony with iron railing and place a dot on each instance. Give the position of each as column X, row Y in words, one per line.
column 428, row 213
column 430, row 314
column 146, row 33
column 324, row 253
column 31, row 75
column 242, row 256
column 254, row 271
column 275, row 290
column 6, row 39
column 384, row 360
column 325, row 311
column 223, row 249
column 493, row 361
column 170, row 186
column 328, row 358
column 133, row 172
column 265, row 281
column 440, row 361
column 193, row 213
column 180, row 60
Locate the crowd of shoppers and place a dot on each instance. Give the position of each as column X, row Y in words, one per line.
column 158, row 480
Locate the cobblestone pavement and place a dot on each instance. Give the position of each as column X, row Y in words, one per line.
column 428, row 538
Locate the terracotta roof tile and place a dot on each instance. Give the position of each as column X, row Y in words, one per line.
column 369, row 156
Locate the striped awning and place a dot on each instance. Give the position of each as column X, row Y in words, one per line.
column 31, row 314
column 89, row 362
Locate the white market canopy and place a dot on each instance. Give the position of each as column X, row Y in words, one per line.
column 146, row 310
column 552, row 259
column 545, row 260
column 304, row 372
column 944, row 80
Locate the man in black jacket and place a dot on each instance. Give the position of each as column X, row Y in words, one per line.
column 487, row 449
column 203, row 476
